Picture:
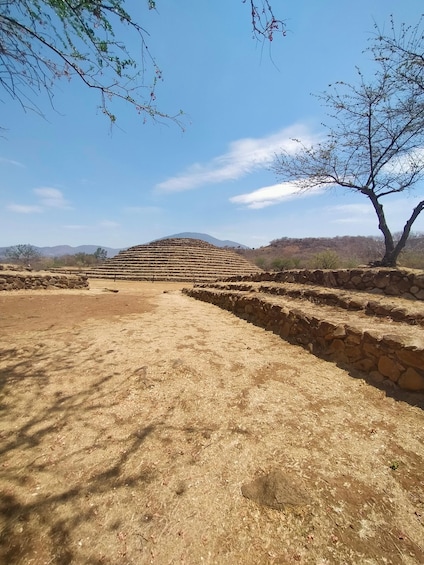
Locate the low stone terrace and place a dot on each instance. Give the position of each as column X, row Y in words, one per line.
column 21, row 280
column 369, row 320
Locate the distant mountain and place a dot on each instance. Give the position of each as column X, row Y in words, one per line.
column 59, row 250
column 207, row 238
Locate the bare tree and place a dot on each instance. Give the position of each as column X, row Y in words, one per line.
column 375, row 143
column 400, row 53
column 100, row 255
column 22, row 253
column 44, row 40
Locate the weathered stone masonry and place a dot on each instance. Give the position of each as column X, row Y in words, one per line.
column 392, row 282
column 32, row 281
column 382, row 356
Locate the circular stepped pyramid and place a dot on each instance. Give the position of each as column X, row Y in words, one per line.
column 177, row 259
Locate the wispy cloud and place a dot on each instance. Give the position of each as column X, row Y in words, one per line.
column 108, row 224
column 406, row 162
column 352, row 213
column 11, row 162
column 51, row 197
column 272, row 195
column 47, row 198
column 22, row 209
column 397, row 211
column 243, row 157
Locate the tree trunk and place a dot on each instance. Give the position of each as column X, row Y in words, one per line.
column 405, row 234
column 392, row 252
column 390, row 257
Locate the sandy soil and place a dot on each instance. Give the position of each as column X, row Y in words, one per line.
column 131, row 423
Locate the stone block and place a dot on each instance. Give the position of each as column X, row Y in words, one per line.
column 342, row 277
column 392, row 290
column 353, row 336
column 412, row 358
column 377, row 377
column 356, row 280
column 285, row 329
column 353, row 353
column 336, row 346
column 371, row 349
column 327, row 329
column 355, row 304
column 365, row 365
column 339, row 332
column 388, row 368
column 411, row 380
column 382, row 280
column 391, row 342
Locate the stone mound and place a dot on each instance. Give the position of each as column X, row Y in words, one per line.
column 177, row 259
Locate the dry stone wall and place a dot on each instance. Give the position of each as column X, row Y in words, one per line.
column 392, row 282
column 37, row 281
column 346, row 301
column 383, row 351
column 380, row 356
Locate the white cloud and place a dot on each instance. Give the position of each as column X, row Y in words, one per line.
column 22, row 209
column 243, row 157
column 271, row 195
column 397, row 211
column 405, row 162
column 48, row 198
column 12, row 162
column 51, row 197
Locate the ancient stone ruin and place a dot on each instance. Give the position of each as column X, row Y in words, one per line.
column 369, row 320
column 21, row 280
column 174, row 259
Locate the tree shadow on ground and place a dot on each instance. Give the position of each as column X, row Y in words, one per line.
column 32, row 497
column 69, row 458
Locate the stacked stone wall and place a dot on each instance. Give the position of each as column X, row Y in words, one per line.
column 392, row 282
column 348, row 301
column 381, row 356
column 39, row 281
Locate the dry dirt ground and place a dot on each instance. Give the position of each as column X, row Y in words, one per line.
column 132, row 425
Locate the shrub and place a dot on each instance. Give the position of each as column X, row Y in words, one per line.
column 283, row 263
column 260, row 262
column 326, row 260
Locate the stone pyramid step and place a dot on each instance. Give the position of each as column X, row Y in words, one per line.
column 174, row 259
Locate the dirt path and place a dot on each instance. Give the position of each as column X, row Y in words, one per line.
column 130, row 421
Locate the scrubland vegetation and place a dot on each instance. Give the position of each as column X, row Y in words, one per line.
column 342, row 252
column 331, row 253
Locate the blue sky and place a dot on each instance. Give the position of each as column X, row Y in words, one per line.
column 67, row 179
